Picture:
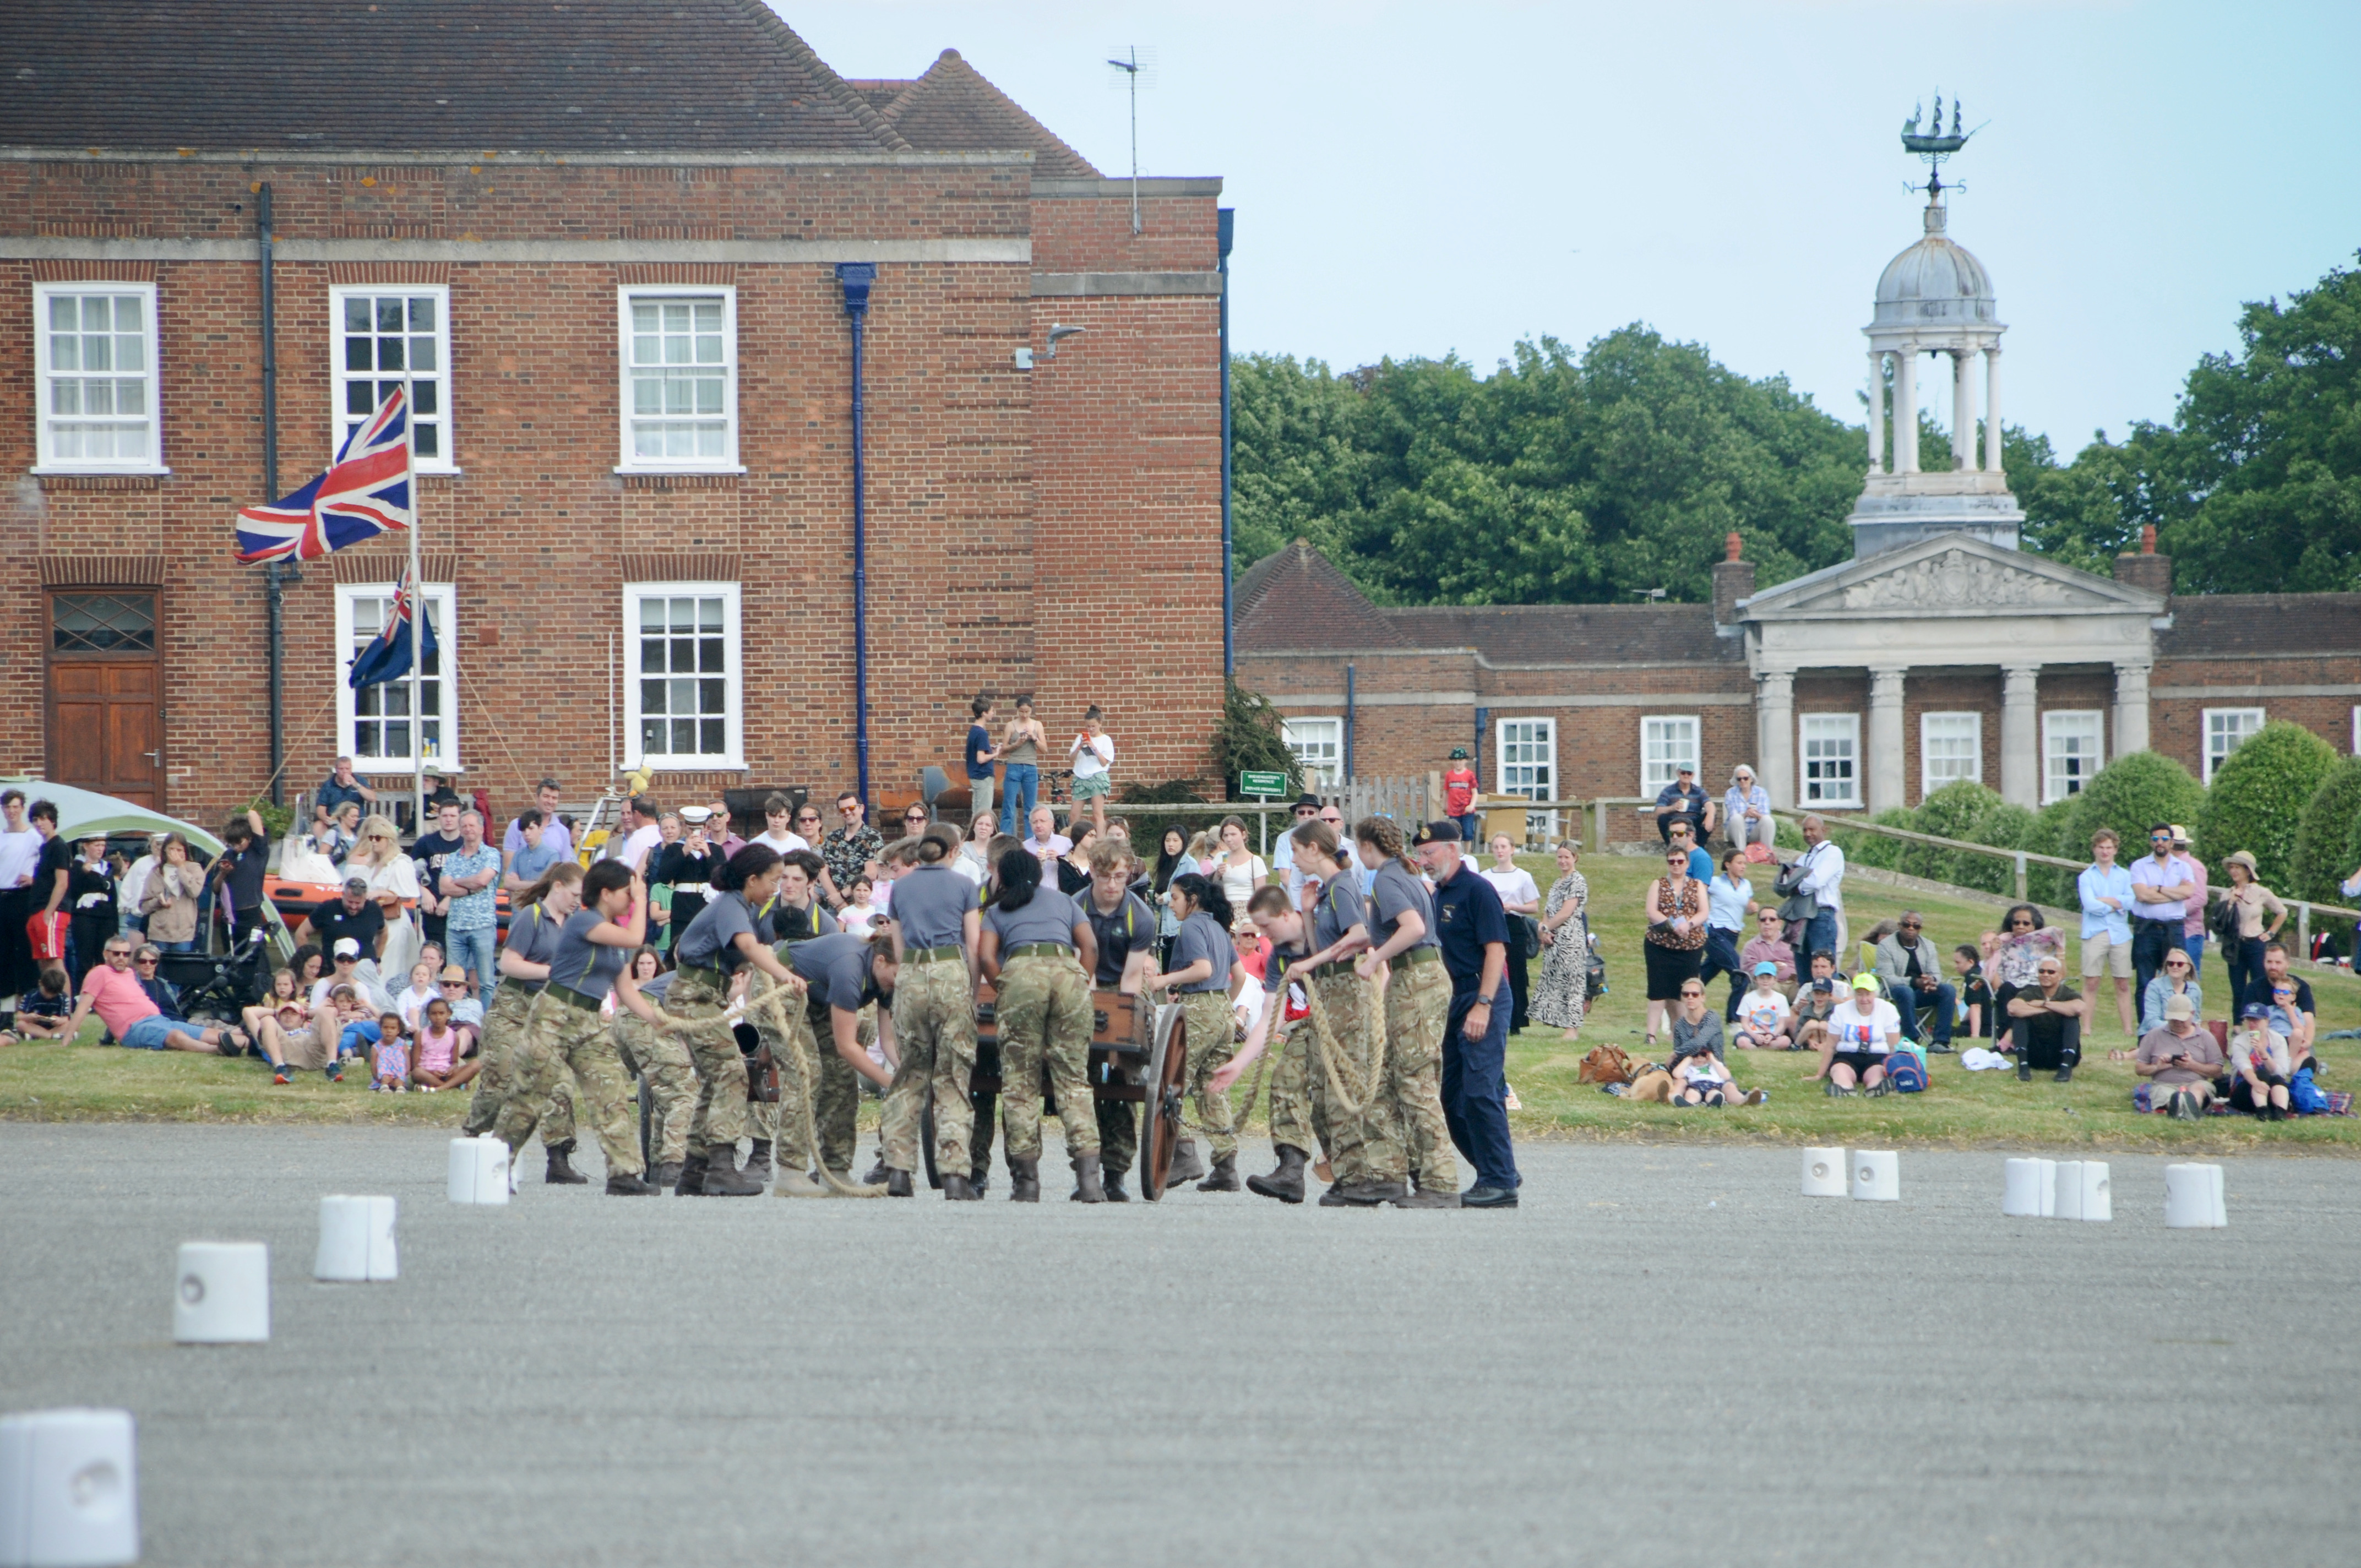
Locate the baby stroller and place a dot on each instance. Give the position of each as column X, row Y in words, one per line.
column 216, row 987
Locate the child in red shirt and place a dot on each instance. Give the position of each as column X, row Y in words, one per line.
column 1459, row 786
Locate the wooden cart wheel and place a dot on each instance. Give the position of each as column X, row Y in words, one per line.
column 1160, row 1115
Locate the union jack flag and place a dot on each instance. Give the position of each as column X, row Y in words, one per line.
column 365, row 493
column 387, row 657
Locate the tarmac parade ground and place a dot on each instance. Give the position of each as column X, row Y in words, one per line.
column 1667, row 1355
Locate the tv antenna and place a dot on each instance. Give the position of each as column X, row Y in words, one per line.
column 1138, row 68
column 1650, row 595
column 1935, row 144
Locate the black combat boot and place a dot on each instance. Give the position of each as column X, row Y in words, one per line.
column 758, row 1163
column 1024, row 1180
column 691, row 1182
column 1087, row 1188
column 897, row 1183
column 665, row 1175
column 1226, row 1174
column 560, row 1174
column 724, row 1179
column 1286, row 1183
column 877, row 1172
column 628, row 1187
column 1186, row 1166
column 1112, row 1182
column 957, row 1191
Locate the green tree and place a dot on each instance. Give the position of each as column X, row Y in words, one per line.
column 1250, row 739
column 2258, row 797
column 2325, row 836
column 2132, row 794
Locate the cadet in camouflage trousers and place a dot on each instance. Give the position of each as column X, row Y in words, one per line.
column 720, row 1118
column 1418, row 1007
column 1295, row 1118
column 1213, row 1041
column 1046, row 1017
column 661, row 1057
column 1362, row 1143
column 558, row 1033
column 833, row 1086
column 503, row 1026
column 934, row 1026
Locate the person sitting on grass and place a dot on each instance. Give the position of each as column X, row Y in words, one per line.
column 421, row 990
column 1861, row 1033
column 291, row 1041
column 1697, row 1028
column 440, row 1051
column 356, row 1026
column 114, row 993
column 2046, row 1023
column 1975, row 994
column 2258, row 1067
column 42, row 1015
column 1763, row 1012
column 390, row 1056
column 283, row 988
column 2179, row 1061
column 467, row 1006
column 1817, row 1000
column 1704, row 1080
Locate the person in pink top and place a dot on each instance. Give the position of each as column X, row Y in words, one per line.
column 437, row 1063
column 2193, row 928
column 114, row 993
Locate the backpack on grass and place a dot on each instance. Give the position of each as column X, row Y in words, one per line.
column 1907, row 1070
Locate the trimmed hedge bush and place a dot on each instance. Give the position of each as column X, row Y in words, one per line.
column 2258, row 800
column 2132, row 794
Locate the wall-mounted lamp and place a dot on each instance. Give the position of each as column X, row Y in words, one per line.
column 1056, row 333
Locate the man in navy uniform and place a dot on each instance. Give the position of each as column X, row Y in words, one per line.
column 1473, row 930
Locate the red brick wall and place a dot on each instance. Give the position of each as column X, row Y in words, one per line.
column 987, row 500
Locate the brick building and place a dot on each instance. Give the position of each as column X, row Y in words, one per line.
column 602, row 245
column 1940, row 651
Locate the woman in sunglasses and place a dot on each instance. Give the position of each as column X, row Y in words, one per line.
column 2013, row 954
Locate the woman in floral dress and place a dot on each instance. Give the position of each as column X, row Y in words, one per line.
column 1561, row 992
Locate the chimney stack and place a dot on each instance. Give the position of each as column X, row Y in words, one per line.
column 2147, row 569
column 1733, row 579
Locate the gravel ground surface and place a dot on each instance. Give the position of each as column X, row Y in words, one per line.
column 1665, row 1356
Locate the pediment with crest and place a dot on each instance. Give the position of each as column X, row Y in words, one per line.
column 1953, row 575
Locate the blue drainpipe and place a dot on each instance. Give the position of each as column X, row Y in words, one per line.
column 1348, row 721
column 856, row 277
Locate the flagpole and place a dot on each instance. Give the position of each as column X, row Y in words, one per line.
column 417, row 610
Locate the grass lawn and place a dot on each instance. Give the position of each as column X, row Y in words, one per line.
column 53, row 1082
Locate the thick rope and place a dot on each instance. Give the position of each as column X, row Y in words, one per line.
column 1348, row 1094
column 773, row 1004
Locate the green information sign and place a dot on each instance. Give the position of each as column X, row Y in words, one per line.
column 1262, row 784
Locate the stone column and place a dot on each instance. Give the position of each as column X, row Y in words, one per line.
column 1885, row 772
column 2131, row 710
column 1906, row 411
column 1876, row 411
column 1963, row 409
column 1774, row 735
column 2020, row 736
column 1992, row 408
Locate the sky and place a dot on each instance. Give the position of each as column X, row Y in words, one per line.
column 1423, row 180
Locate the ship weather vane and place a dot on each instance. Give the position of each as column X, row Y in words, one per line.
column 1935, row 144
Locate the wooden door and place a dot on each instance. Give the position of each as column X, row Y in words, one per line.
column 106, row 694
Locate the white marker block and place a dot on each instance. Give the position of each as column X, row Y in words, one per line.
column 69, row 1489
column 480, row 1170
column 2192, row 1198
column 1824, row 1173
column 355, row 1241
column 2083, row 1190
column 1876, row 1174
column 2049, row 1188
column 2020, row 1188
column 223, row 1293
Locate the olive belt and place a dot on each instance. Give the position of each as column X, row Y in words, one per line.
column 933, row 955
column 1418, row 956
column 576, row 999
column 712, row 977
column 1040, row 950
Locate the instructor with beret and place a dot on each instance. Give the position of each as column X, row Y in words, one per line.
column 1473, row 930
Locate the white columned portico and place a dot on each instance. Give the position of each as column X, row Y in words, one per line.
column 1774, row 735
column 1963, row 409
column 1991, row 407
column 1885, row 772
column 2020, row 736
column 1905, row 411
column 2131, row 710
column 1876, row 411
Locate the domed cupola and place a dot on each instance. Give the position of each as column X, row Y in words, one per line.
column 1935, row 298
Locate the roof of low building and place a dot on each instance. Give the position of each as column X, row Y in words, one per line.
column 1294, row 599
column 953, row 108
column 1571, row 633
column 713, row 76
column 2288, row 625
